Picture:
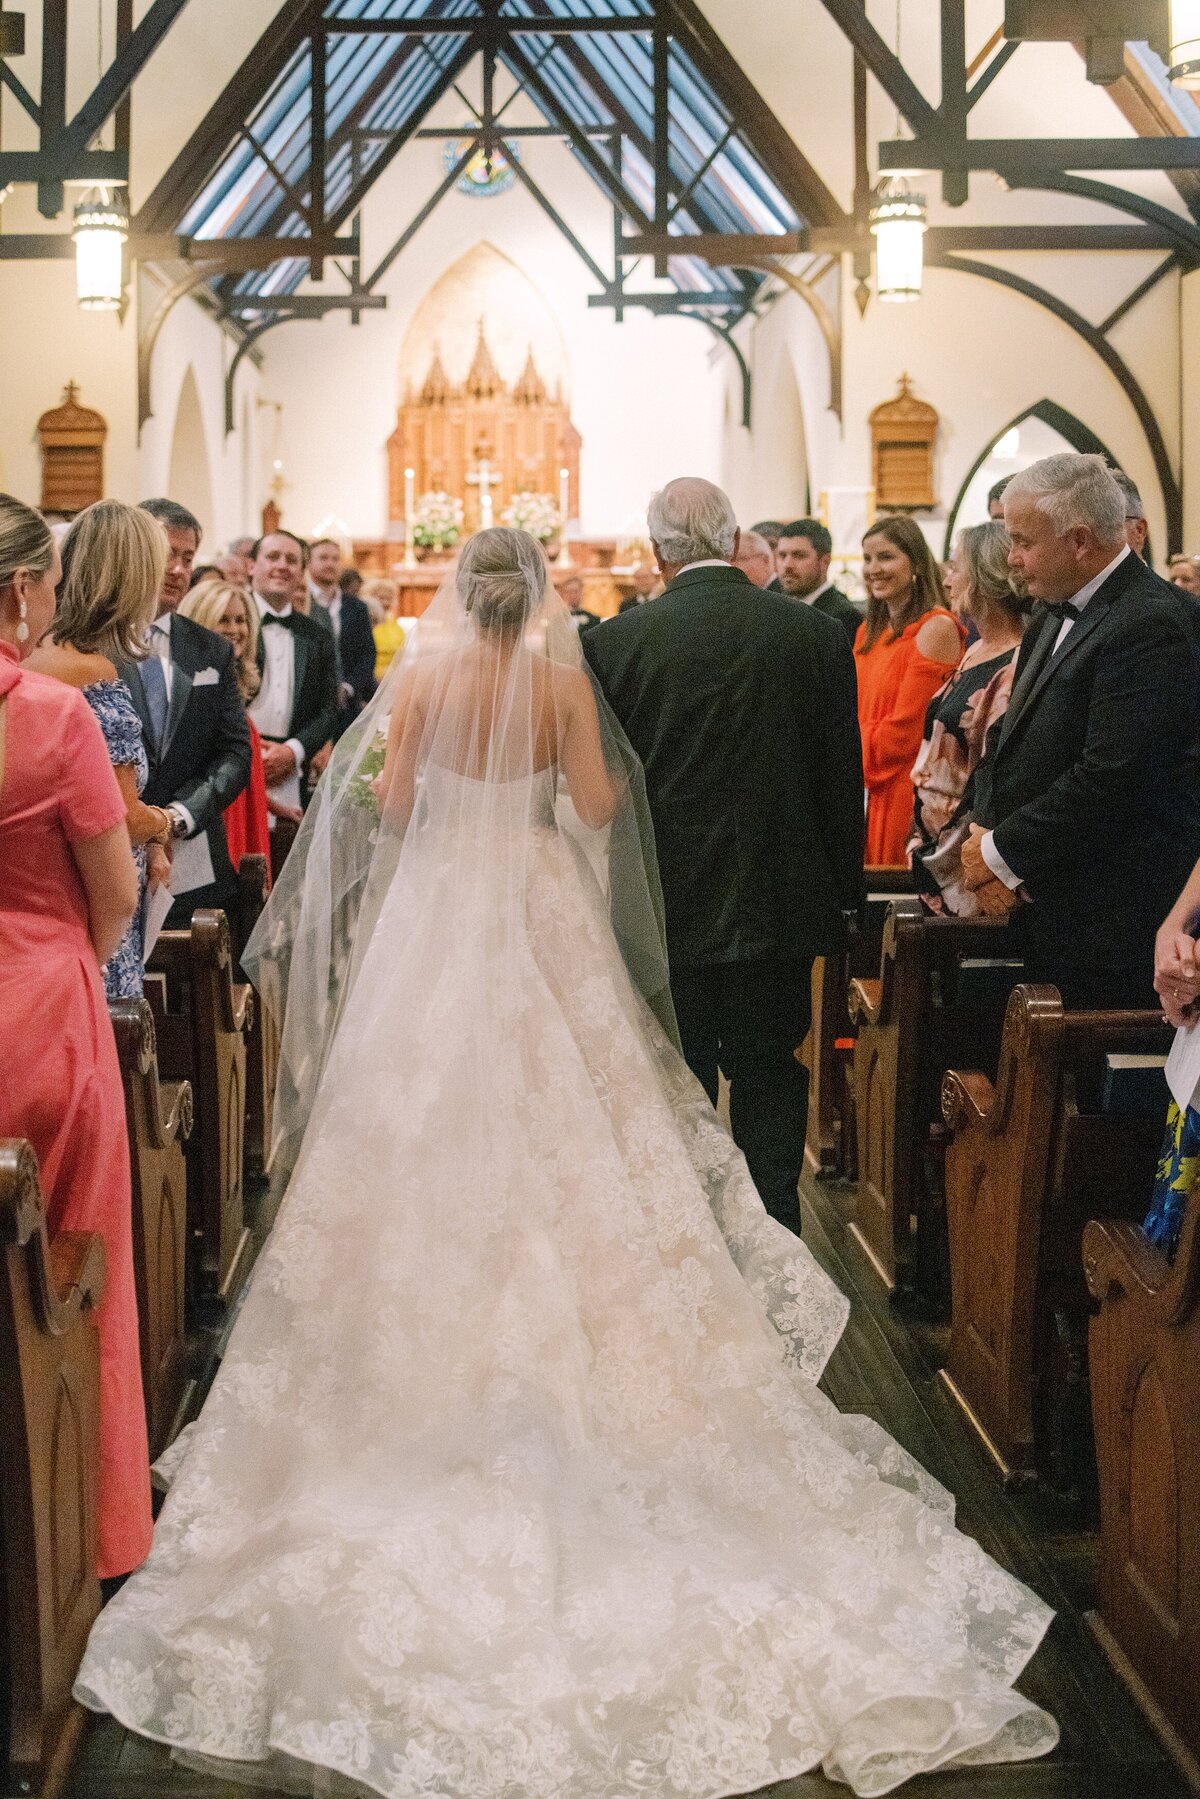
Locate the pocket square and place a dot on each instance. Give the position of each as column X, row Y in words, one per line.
column 206, row 677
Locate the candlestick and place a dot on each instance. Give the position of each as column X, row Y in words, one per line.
column 410, row 554
column 564, row 507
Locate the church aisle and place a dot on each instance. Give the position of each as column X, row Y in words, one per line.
column 886, row 1368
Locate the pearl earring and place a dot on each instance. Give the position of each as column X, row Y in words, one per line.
column 23, row 627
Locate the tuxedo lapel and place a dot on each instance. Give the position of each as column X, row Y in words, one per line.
column 299, row 666
column 1046, row 660
column 131, row 674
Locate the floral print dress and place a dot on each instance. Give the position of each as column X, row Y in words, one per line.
column 117, row 716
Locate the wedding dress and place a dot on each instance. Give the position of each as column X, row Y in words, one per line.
column 516, row 1481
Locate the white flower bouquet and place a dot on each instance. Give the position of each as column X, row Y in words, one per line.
column 536, row 513
column 437, row 521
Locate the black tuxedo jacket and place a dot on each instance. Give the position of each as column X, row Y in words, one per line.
column 1091, row 783
column 315, row 708
column 834, row 604
column 205, row 758
column 743, row 709
column 356, row 647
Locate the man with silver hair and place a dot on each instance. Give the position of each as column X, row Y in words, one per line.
column 1088, row 800
column 755, row 559
column 743, row 709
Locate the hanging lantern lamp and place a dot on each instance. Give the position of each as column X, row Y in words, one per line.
column 100, row 231
column 1184, row 68
column 898, row 220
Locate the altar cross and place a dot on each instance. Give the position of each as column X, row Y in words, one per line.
column 485, row 478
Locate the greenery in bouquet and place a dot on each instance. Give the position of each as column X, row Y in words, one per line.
column 536, row 513
column 360, row 791
column 437, row 521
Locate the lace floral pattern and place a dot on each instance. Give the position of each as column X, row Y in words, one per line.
column 117, row 717
column 516, row 1482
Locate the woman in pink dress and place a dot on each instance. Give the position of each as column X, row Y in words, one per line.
column 68, row 889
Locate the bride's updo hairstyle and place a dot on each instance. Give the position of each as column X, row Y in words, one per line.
column 501, row 578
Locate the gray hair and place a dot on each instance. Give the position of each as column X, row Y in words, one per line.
column 1072, row 490
column 691, row 520
column 754, row 544
column 1133, row 499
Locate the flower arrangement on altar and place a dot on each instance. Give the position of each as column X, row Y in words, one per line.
column 536, row 513
column 437, row 521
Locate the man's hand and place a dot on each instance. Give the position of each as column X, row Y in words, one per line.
column 995, row 899
column 277, row 809
column 975, row 871
column 278, row 763
column 1177, row 973
column 319, row 763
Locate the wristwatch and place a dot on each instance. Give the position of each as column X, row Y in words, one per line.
column 179, row 823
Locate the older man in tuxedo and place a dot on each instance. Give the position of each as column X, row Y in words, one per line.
column 1088, row 800
column 743, row 709
column 193, row 726
column 296, row 707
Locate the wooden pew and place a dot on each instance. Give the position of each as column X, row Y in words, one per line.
column 202, row 1019
column 49, row 1417
column 827, row 1051
column 1144, row 1353
column 159, row 1120
column 939, row 998
column 1051, row 1143
column 262, row 1042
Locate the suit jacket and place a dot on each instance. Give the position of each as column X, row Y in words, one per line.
column 204, row 762
column 835, row 605
column 315, row 708
column 356, row 652
column 1092, row 783
column 743, row 709
column 583, row 618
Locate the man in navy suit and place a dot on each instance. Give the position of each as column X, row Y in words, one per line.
column 193, row 726
column 351, row 624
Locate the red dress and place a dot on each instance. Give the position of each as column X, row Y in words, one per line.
column 247, row 832
column 60, row 1084
column 895, row 686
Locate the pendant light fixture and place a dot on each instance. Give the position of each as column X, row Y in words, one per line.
column 100, row 231
column 1184, row 68
column 898, row 219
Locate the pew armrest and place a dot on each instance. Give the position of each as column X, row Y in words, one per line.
column 243, row 1008
column 968, row 1098
column 66, row 1276
column 1118, row 1257
column 76, row 1268
column 865, row 1001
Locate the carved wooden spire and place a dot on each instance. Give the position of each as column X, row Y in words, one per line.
column 436, row 390
column 483, row 382
column 530, row 389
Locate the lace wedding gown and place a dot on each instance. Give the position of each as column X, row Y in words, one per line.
column 516, row 1481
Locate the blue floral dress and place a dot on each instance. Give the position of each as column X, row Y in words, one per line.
column 1178, row 1172
column 113, row 705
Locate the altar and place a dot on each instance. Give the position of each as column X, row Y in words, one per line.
column 604, row 587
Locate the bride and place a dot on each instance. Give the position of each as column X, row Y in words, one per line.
column 516, row 1481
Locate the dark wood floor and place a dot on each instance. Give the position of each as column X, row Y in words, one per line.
column 887, row 1368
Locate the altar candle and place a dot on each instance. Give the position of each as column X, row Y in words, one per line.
column 564, row 508
column 410, row 477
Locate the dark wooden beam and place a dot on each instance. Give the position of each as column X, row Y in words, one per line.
column 50, row 173
column 953, row 109
column 724, row 250
column 1026, row 157
column 51, row 190
column 884, row 64
column 121, row 73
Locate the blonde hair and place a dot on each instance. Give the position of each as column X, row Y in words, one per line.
column 114, row 558
column 984, row 551
column 207, row 604
column 501, row 577
column 26, row 541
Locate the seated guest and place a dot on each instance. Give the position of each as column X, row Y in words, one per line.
column 904, row 651
column 69, row 891
column 389, row 633
column 754, row 558
column 194, row 728
column 802, row 558
column 1136, row 528
column 647, row 585
column 570, row 592
column 113, row 561
column 351, row 623
column 296, row 708
column 1088, row 799
column 229, row 612
column 1177, row 984
column 963, row 711
column 996, row 499
column 1184, row 571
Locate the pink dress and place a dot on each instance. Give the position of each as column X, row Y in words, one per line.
column 60, row 1082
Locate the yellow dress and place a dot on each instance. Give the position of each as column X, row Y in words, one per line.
column 389, row 638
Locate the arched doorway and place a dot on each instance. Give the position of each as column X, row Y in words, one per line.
column 1045, row 429
column 189, row 479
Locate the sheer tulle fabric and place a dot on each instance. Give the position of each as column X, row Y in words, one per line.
column 516, row 1482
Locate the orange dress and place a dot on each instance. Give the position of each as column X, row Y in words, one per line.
column 60, row 1082
column 895, row 686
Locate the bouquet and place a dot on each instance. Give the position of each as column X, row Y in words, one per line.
column 361, row 792
column 536, row 513
column 437, row 521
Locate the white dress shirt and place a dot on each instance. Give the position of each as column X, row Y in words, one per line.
column 271, row 707
column 816, row 593
column 709, row 562
column 158, row 642
column 987, row 847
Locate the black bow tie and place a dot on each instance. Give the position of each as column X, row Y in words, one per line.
column 1064, row 609
column 287, row 623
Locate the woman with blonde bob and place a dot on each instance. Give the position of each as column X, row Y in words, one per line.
column 113, row 561
column 906, row 647
column 227, row 609
column 963, row 711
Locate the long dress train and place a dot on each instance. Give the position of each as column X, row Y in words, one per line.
column 516, row 1481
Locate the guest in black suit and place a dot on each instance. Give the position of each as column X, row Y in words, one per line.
column 296, row 708
column 1091, row 786
column 570, row 592
column 742, row 708
column 802, row 557
column 350, row 621
column 646, row 584
column 193, row 726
